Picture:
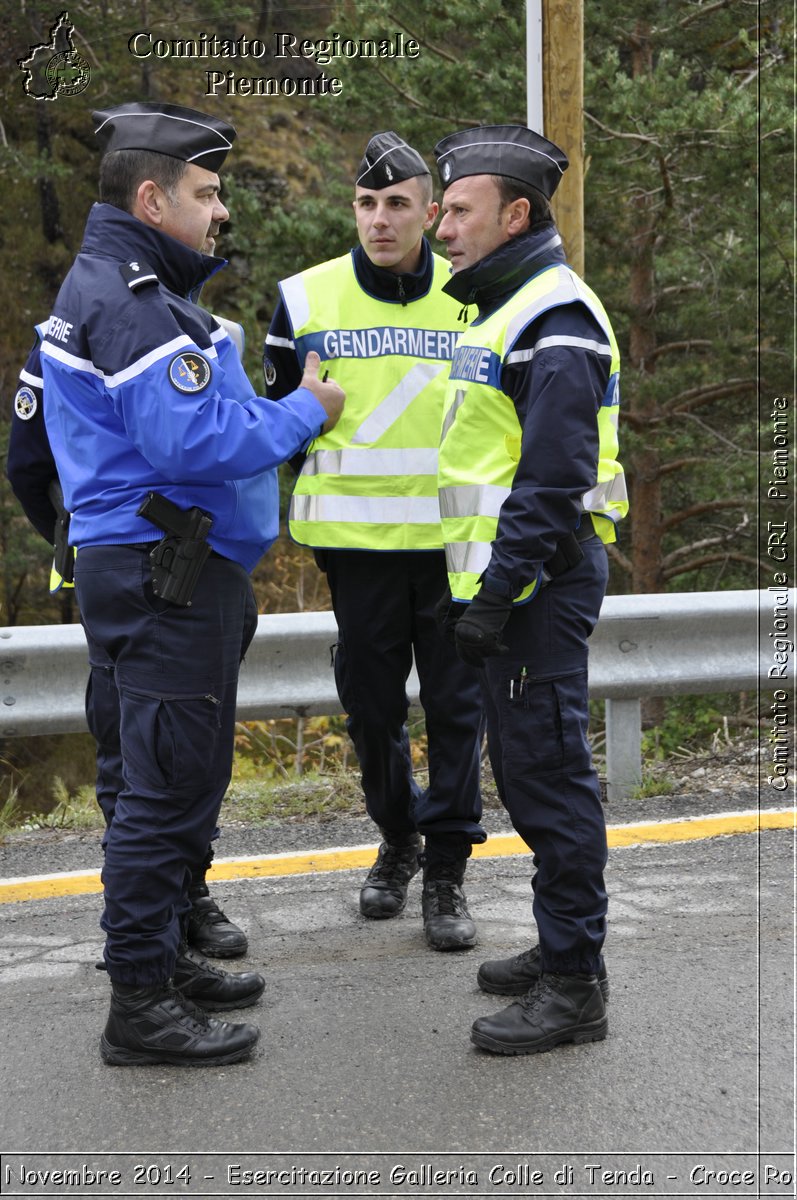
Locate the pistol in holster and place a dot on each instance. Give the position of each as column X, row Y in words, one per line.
column 178, row 558
column 63, row 553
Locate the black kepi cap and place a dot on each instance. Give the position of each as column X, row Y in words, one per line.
column 511, row 150
column 388, row 159
column 184, row 133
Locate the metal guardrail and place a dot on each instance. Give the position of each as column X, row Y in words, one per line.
column 646, row 645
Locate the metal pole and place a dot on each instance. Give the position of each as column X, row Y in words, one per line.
column 623, row 747
column 534, row 110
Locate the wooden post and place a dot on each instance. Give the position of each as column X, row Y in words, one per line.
column 563, row 113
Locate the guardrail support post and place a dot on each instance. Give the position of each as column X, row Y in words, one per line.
column 623, row 747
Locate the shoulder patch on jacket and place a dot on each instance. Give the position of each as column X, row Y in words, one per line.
column 25, row 403
column 189, row 372
column 137, row 274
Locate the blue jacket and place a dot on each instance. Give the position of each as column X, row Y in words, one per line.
column 144, row 391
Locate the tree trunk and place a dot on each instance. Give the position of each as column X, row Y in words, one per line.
column 48, row 197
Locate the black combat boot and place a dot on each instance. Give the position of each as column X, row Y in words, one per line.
column 212, row 988
column 447, row 923
column 209, row 931
column 558, row 1008
column 158, row 1025
column 514, row 976
column 384, row 892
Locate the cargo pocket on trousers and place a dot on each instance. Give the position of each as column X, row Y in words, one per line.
column 531, row 727
column 170, row 742
column 544, row 729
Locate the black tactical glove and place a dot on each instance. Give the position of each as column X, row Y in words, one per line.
column 477, row 634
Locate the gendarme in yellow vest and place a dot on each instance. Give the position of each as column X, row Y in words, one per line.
column 481, row 434
column 371, row 482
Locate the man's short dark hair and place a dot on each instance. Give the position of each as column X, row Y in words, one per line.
column 426, row 189
column 122, row 171
column 512, row 189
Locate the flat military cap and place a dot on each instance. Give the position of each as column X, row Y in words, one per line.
column 183, row 133
column 511, row 150
column 388, row 159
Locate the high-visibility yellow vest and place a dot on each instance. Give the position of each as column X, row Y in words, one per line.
column 371, row 482
column 57, row 581
column 64, row 554
column 481, row 434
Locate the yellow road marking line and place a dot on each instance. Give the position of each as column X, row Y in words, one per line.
column 80, row 883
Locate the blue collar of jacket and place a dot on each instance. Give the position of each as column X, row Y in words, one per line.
column 387, row 285
column 490, row 281
column 113, row 233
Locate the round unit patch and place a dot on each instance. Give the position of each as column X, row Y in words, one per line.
column 269, row 372
column 25, row 403
column 189, row 372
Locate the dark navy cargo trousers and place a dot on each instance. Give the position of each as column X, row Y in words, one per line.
column 176, row 673
column 537, row 716
column 384, row 604
column 104, row 717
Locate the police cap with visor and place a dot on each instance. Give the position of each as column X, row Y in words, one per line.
column 388, row 159
column 511, row 150
column 184, row 133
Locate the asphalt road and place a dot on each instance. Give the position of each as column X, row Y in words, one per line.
column 365, row 1064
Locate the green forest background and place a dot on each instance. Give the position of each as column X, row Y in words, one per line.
column 689, row 233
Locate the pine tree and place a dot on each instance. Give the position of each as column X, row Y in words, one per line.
column 683, row 153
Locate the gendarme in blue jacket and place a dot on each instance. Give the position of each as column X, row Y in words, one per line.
column 144, row 391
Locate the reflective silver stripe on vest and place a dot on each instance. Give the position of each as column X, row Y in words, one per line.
column 417, row 461
column 612, row 491
column 369, row 510
column 452, row 412
column 545, row 343
column 470, row 558
column 234, row 331
column 472, row 500
column 565, row 291
column 297, row 302
column 397, row 401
